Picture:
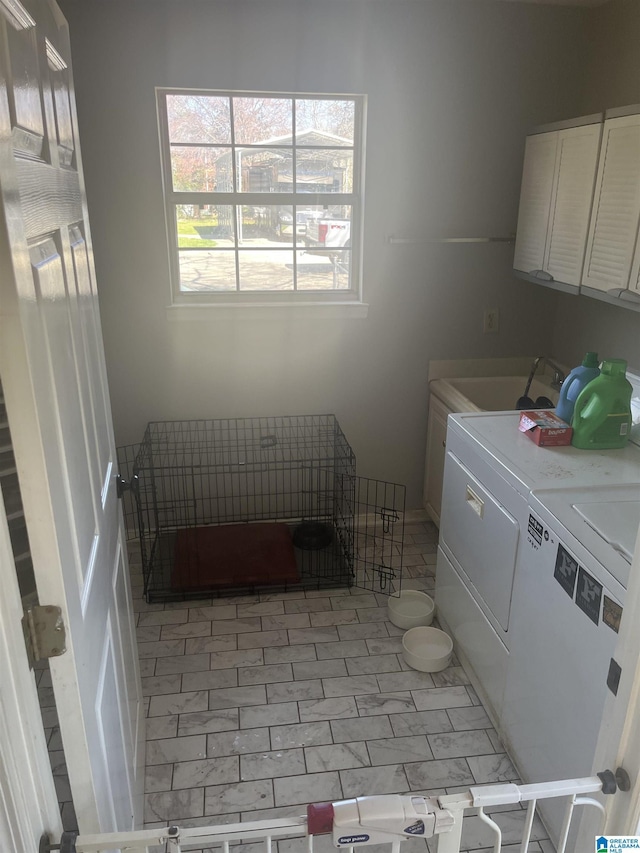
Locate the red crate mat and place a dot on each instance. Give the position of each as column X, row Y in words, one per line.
column 233, row 555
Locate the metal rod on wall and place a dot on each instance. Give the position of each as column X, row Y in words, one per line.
column 411, row 240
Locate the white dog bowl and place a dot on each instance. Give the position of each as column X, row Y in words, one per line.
column 411, row 609
column 427, row 649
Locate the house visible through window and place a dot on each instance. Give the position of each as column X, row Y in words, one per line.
column 263, row 195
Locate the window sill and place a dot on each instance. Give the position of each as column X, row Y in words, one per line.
column 208, row 311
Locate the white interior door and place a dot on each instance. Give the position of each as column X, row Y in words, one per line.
column 28, row 799
column 52, row 369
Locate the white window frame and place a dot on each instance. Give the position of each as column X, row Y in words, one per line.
column 172, row 198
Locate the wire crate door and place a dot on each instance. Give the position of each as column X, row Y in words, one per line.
column 372, row 511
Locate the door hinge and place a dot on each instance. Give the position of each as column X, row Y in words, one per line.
column 44, row 632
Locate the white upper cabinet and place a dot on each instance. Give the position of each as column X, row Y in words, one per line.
column 535, row 201
column 555, row 202
column 610, row 265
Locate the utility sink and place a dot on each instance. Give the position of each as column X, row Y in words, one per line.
column 496, row 393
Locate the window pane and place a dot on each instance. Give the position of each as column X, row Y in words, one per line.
column 212, row 270
column 204, row 226
column 303, row 216
column 264, row 269
column 263, row 226
column 328, row 227
column 260, row 120
column 264, row 170
column 201, row 169
column 324, row 270
column 319, row 170
column 286, row 225
column 316, row 119
column 198, row 118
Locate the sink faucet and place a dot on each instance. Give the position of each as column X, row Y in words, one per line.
column 558, row 374
column 525, row 401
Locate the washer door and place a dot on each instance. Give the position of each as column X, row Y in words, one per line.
column 481, row 535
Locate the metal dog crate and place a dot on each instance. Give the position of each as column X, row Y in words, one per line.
column 296, row 473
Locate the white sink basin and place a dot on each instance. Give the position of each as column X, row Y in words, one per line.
column 498, row 393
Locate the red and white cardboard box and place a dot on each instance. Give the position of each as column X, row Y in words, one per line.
column 545, row 428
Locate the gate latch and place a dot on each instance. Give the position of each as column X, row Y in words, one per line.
column 44, row 632
column 379, row 820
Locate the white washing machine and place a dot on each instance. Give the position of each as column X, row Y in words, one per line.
column 567, row 606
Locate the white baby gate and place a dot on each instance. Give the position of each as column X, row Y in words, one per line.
column 388, row 819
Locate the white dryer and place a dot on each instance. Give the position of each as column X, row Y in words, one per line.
column 568, row 602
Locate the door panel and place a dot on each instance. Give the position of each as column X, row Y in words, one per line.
column 115, row 808
column 88, row 323
column 24, row 96
column 53, row 336
column 52, row 366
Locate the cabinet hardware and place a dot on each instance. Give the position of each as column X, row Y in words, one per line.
column 542, row 274
column 475, row 502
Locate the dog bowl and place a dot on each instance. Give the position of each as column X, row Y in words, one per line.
column 312, row 535
column 427, row 649
column 411, row 609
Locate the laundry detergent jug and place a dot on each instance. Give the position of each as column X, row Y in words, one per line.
column 575, row 382
column 602, row 412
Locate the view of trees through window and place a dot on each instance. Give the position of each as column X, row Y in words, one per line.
column 261, row 190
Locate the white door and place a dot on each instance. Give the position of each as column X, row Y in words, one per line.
column 27, row 794
column 53, row 373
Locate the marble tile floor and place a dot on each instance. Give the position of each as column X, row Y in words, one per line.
column 258, row 705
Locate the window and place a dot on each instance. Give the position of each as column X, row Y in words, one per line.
column 263, row 195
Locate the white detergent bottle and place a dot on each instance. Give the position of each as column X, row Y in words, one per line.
column 578, row 379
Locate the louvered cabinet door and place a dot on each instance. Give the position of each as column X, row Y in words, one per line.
column 634, row 284
column 576, row 163
column 616, row 207
column 535, row 201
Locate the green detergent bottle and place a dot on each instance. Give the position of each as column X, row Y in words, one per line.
column 602, row 413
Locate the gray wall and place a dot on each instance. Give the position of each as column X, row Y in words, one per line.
column 612, row 79
column 452, row 86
